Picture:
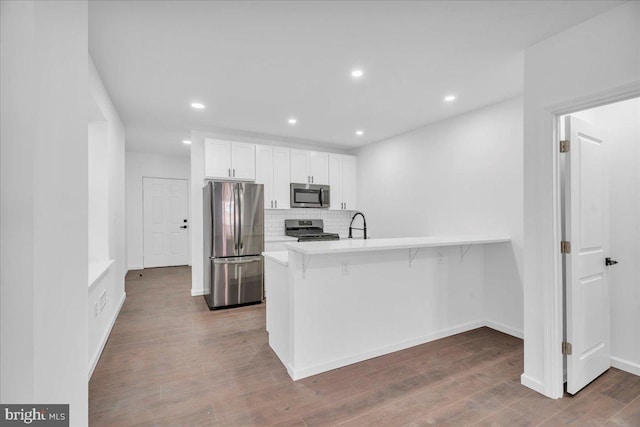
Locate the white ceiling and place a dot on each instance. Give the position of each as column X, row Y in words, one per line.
column 255, row 64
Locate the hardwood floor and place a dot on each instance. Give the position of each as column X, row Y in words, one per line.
column 171, row 362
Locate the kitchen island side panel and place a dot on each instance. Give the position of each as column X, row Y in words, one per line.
column 277, row 316
column 345, row 308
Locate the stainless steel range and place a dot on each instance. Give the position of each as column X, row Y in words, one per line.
column 308, row 230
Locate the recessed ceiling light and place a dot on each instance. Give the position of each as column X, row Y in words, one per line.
column 292, row 121
column 186, row 141
column 359, row 132
column 356, row 73
column 450, row 98
column 197, row 105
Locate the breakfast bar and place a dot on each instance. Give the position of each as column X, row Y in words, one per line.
column 334, row 303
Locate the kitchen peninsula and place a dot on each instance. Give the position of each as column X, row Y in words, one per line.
column 335, row 303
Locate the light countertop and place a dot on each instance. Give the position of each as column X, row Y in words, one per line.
column 281, row 257
column 369, row 245
column 280, row 239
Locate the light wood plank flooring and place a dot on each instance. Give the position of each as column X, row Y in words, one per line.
column 172, row 362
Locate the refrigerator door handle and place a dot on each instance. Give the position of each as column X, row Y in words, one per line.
column 235, row 220
column 240, row 260
column 239, row 207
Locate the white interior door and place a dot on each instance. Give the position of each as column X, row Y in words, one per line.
column 166, row 233
column 587, row 292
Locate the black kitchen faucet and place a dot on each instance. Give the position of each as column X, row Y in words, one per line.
column 364, row 226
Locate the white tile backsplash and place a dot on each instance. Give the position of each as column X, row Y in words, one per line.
column 334, row 221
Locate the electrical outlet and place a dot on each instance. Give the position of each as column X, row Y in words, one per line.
column 103, row 299
column 345, row 267
column 96, row 309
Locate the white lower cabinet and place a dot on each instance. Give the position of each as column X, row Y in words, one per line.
column 272, row 170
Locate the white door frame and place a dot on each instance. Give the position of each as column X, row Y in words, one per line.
column 552, row 298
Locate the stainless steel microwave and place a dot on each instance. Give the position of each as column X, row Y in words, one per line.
column 310, row 196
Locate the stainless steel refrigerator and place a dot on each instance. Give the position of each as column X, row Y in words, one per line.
column 233, row 243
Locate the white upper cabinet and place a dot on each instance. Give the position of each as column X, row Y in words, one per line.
column 300, row 166
column 229, row 160
column 243, row 161
column 342, row 179
column 281, row 178
column 264, row 172
column 309, row 167
column 217, row 158
column 319, row 167
column 335, row 181
column 272, row 170
column 277, row 167
column 349, row 181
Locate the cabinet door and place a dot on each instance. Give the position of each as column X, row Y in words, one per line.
column 281, row 178
column 264, row 172
column 319, row 167
column 335, row 181
column 243, row 161
column 217, row 158
column 300, row 166
column 349, row 181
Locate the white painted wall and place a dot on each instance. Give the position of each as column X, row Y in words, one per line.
column 44, row 204
column 106, row 196
column 570, row 70
column 458, row 176
column 139, row 165
column 195, row 200
column 98, row 187
column 621, row 121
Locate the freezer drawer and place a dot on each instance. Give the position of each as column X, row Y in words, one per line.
column 235, row 281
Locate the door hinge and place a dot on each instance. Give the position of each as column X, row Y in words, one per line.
column 565, row 146
column 565, row 247
column 566, row 348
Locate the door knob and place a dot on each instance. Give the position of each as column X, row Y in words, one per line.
column 183, row 226
column 609, row 261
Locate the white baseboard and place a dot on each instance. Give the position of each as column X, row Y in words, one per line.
column 105, row 337
column 504, row 329
column 135, row 267
column 297, row 374
column 197, row 292
column 532, row 383
column 625, row 365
